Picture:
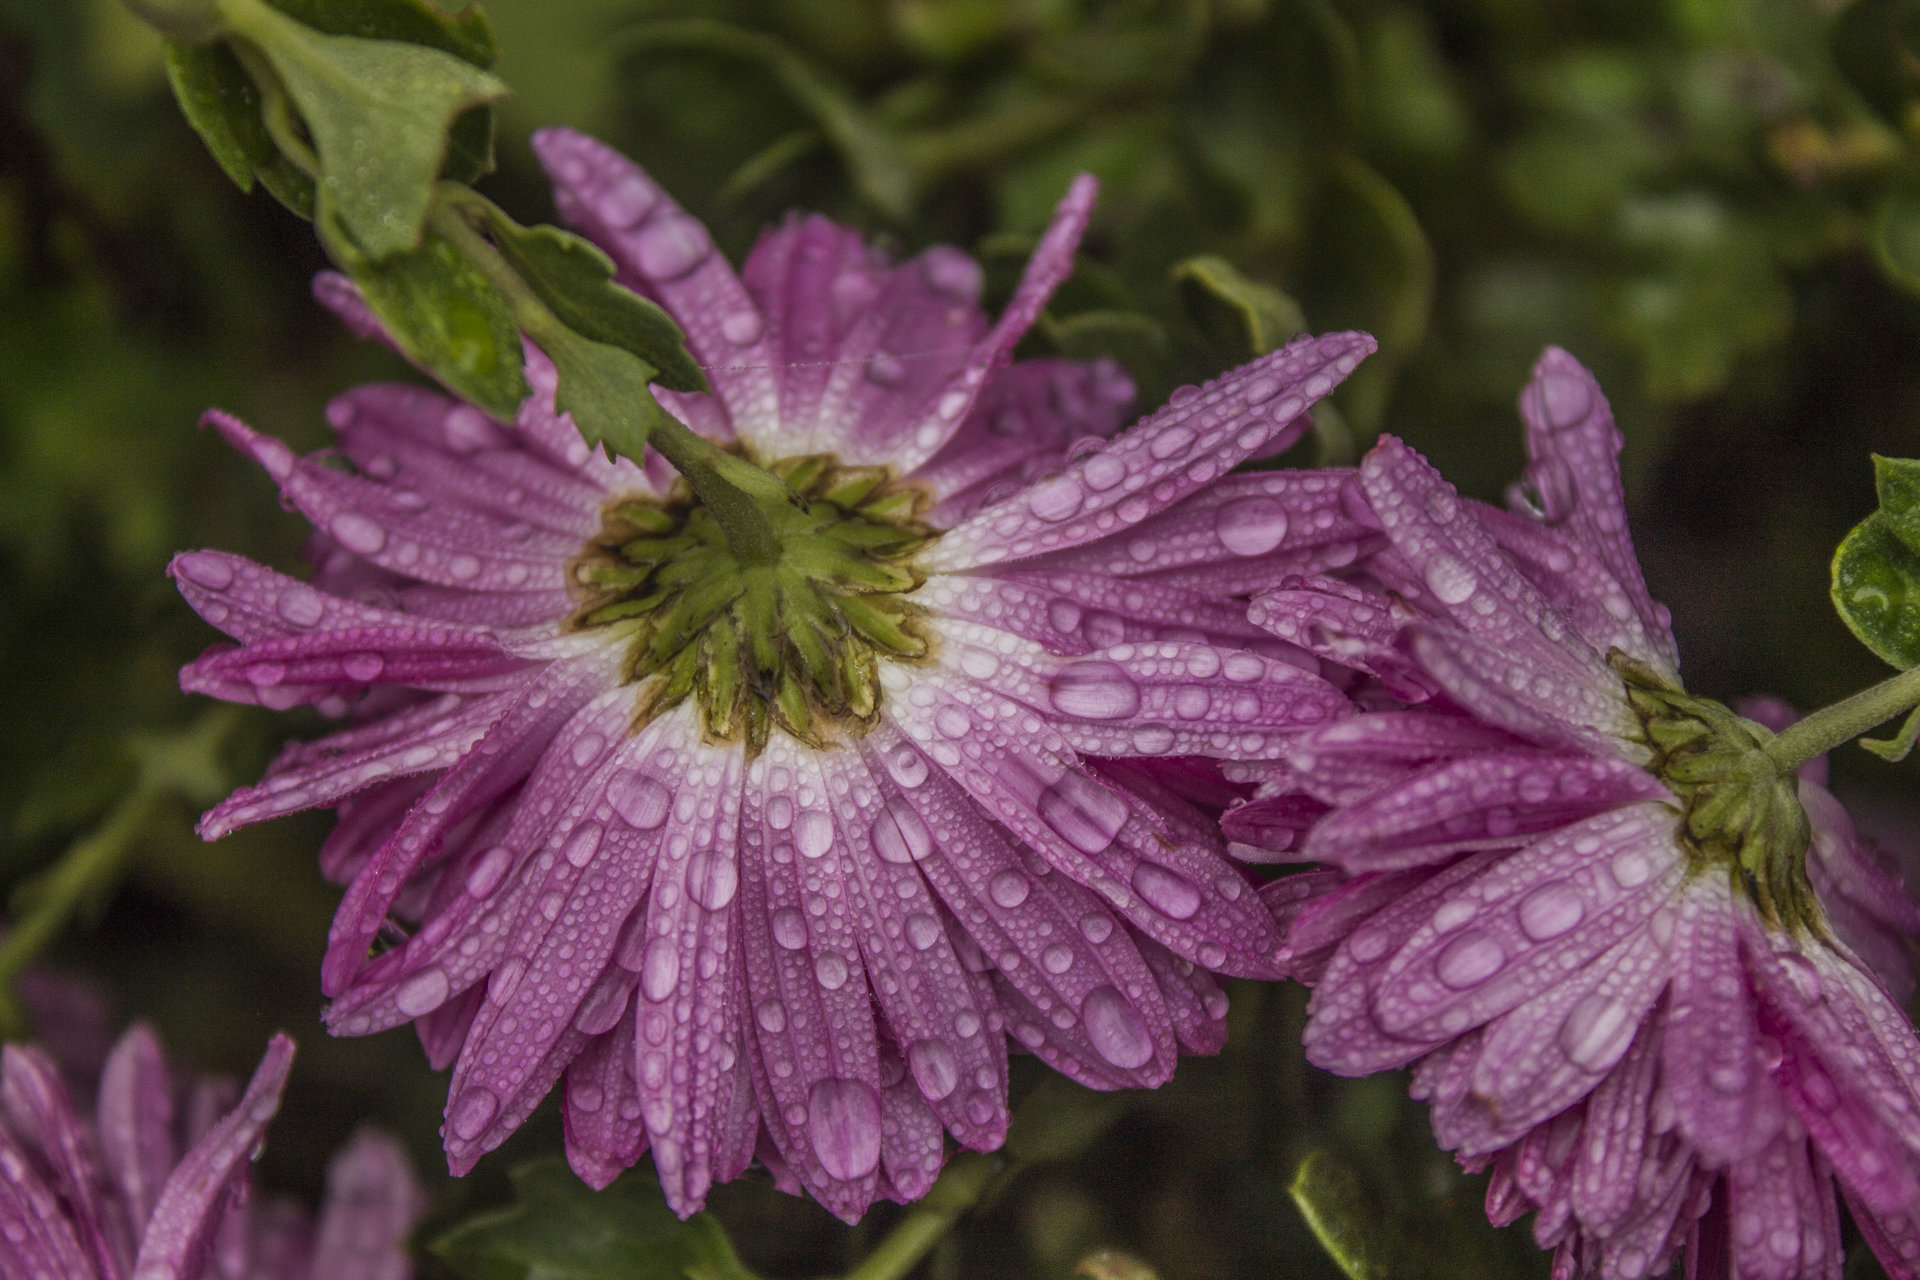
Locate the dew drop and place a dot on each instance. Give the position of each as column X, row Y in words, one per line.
column 466, row 430
column 363, row 666
column 671, row 246
column 900, row 835
column 1094, row 690
column 1083, row 813
column 208, row 569
column 1096, row 928
column 1103, row 471
column 1118, row 1032
column 790, row 928
column 1596, row 1032
column 471, row 1112
column 1152, row 739
column 423, row 992
column 1056, row 499
column 1564, row 399
column 1449, row 580
column 741, row 327
column 813, row 833
column 885, row 370
column 642, row 802
column 1009, row 889
column 712, row 878
column 1250, row 526
column 771, row 1015
column 1469, row 960
column 1631, row 868
column 934, row 1067
column 582, row 844
column 1064, row 615
column 659, row 969
column 843, row 1119
column 489, row 871
column 908, row 767
column 463, row 566
column 358, row 533
column 1171, row 894
column 626, row 200
column 300, row 605
column 1170, row 443
column 602, row 1008
column 585, row 748
column 1551, row 910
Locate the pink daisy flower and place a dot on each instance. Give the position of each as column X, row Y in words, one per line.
column 776, row 860
column 111, row 1195
column 1626, row 958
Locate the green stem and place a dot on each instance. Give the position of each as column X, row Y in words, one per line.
column 727, row 486
column 92, row 862
column 958, row 1189
column 1845, row 720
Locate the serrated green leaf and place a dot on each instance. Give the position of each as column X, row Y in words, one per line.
column 361, row 99
column 873, row 154
column 1876, row 588
column 465, row 34
column 1234, row 312
column 222, row 104
column 605, row 388
column 575, row 280
column 560, row 1229
column 1350, row 1226
column 445, row 315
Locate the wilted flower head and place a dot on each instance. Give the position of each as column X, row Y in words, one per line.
column 153, row 1184
column 776, row 859
column 1622, row 952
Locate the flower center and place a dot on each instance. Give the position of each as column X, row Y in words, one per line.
column 795, row 644
column 1741, row 811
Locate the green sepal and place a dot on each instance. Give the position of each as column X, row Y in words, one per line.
column 575, row 279
column 1876, row 589
column 558, row 1228
column 221, row 102
column 605, row 389
column 362, row 98
column 1900, row 745
column 445, row 315
column 1242, row 315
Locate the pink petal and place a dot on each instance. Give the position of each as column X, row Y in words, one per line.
column 372, row 1204
column 605, row 1135
column 39, row 1111
column 134, row 1121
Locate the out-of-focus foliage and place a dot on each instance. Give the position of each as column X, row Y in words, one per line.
column 1716, row 203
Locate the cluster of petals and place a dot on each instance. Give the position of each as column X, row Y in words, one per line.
column 1504, row 901
column 153, row 1185
column 819, row 958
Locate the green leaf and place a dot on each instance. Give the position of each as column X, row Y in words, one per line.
column 1897, row 483
column 872, row 153
column 1876, row 588
column 1900, row 745
column 1345, row 1218
column 560, row 1229
column 222, row 104
column 1896, row 238
column 576, row 282
column 465, row 35
column 605, row 389
column 1232, row 310
column 364, row 99
column 445, row 315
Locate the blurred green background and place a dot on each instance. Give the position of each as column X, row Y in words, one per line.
column 1715, row 203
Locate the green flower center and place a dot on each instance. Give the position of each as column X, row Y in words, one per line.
column 795, row 644
column 1742, row 813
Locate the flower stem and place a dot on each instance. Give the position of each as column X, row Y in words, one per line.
column 1844, row 720
column 727, row 486
column 957, row 1190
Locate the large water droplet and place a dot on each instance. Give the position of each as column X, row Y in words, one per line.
column 712, row 878
column 1103, row 471
column 489, row 871
column 900, row 835
column 1056, row 499
column 1596, row 1032
column 602, row 1008
column 423, row 992
column 1564, row 399
column 843, row 1119
column 1551, row 910
column 670, row 246
column 207, row 568
column 358, row 533
column 1469, row 960
column 363, row 667
column 1118, row 1032
column 922, row 930
column 1170, row 443
column 741, row 327
column 1631, row 868
column 1250, row 526
column 301, row 605
column 1449, row 580
column 1094, row 690
column 907, row 766
column 935, row 1069
column 790, row 928
column 1009, row 889
column 641, row 801
column 771, row 1015
column 1083, row 813
column 471, row 1112
column 1171, row 894
column 830, row 970
column 660, row 969
column 813, row 833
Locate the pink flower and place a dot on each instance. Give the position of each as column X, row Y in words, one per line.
column 1578, row 900
column 784, row 889
column 110, row 1196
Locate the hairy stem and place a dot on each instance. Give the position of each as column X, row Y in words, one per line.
column 1830, row 726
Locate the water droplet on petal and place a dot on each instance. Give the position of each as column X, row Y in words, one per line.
column 626, row 200
column 885, row 369
column 603, row 1007
column 1171, row 894
column 934, row 1067
column 771, row 1015
column 671, row 246
column 1083, row 813
column 1094, row 690
column 1096, row 928
column 843, row 1119
column 922, row 930
column 659, row 969
column 813, row 833
column 300, row 605
column 358, row 533
column 471, row 1112
column 363, row 667
column 423, row 992
column 642, row 802
column 463, row 566
column 1469, row 960
column 1170, row 443
column 1596, row 1032
column 208, row 569
column 1250, row 526
column 466, row 430
column 1103, row 471
column 1631, row 868
column 1056, row 499
column 489, row 871
column 790, row 928
column 1009, row 889
column 900, row 835
column 712, row 878
column 1118, row 1032
column 1449, row 580
column 741, row 327
column 1152, row 739
column 1564, row 399
column 1551, row 910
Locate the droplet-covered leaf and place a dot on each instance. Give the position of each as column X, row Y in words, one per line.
column 379, row 112
column 576, row 282
column 1876, row 588
column 560, row 1229
column 446, row 316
